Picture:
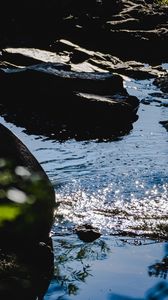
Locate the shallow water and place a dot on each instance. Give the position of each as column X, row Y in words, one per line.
column 119, row 186
column 108, row 269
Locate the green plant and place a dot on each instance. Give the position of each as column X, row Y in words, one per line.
column 26, row 206
column 162, row 2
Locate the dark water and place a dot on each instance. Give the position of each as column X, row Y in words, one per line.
column 119, row 186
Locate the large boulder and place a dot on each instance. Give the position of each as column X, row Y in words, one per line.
column 26, row 276
column 27, row 198
column 27, row 202
column 69, row 97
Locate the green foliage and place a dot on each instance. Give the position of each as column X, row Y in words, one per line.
column 8, row 213
column 162, row 2
column 26, row 204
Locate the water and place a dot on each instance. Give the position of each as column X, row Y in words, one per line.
column 119, row 186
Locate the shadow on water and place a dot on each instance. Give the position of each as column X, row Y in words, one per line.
column 46, row 124
column 160, row 268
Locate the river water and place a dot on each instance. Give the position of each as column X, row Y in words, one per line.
column 120, row 187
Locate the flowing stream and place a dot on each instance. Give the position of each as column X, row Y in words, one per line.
column 118, row 186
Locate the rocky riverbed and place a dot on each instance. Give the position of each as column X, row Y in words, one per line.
column 59, row 56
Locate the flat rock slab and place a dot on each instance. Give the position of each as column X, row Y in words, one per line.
column 74, row 100
column 66, row 55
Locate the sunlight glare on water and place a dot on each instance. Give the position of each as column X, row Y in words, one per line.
column 119, row 186
column 124, row 189
column 136, row 216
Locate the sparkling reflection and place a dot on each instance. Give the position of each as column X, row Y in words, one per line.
column 145, row 216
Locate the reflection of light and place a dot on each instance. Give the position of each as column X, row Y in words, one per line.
column 139, row 216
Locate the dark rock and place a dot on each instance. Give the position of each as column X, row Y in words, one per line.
column 150, row 1
column 26, row 275
column 26, row 254
column 135, row 24
column 87, row 233
column 86, row 103
column 145, row 102
column 34, row 220
column 165, row 124
column 65, row 55
column 162, row 83
column 81, row 58
column 19, row 57
column 12, row 149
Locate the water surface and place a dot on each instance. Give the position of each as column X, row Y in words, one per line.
column 119, row 186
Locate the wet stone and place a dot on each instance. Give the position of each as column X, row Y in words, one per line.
column 92, row 101
column 162, row 83
column 87, row 233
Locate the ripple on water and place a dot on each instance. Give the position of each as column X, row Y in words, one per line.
column 119, row 186
column 146, row 216
column 125, row 188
